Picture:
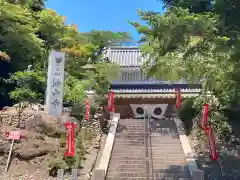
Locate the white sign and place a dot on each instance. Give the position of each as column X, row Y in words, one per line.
column 55, row 83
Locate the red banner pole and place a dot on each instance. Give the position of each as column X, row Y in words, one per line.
column 70, row 141
column 110, row 100
column 206, row 127
column 204, row 118
column 87, row 110
column 178, row 98
column 113, row 107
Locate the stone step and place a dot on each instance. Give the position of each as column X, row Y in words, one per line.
column 131, row 125
column 155, row 166
column 165, row 153
column 156, row 174
column 127, row 135
column 128, row 161
column 136, row 171
column 128, row 150
column 127, row 166
column 168, row 159
column 132, row 120
column 157, row 145
column 144, row 175
column 131, row 128
column 133, row 146
column 152, row 154
column 128, row 178
column 132, row 133
column 128, row 154
column 154, row 143
column 132, row 158
column 145, row 178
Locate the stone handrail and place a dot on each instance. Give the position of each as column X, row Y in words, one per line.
column 195, row 172
column 100, row 172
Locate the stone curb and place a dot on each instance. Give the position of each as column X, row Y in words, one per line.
column 195, row 172
column 100, row 172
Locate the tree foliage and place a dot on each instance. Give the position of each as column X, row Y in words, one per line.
column 197, row 41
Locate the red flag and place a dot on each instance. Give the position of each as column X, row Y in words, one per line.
column 111, row 101
column 178, row 98
column 70, row 139
column 87, row 110
column 204, row 117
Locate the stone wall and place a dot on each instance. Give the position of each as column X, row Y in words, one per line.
column 93, row 125
column 33, row 118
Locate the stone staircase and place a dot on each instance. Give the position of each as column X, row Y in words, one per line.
column 128, row 154
column 168, row 159
column 154, row 153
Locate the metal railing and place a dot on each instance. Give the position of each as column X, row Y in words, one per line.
column 60, row 174
column 148, row 147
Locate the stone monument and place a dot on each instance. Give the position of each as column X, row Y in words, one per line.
column 55, row 83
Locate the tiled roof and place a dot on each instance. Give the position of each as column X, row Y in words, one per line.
column 146, row 82
column 151, row 95
column 154, row 87
column 125, row 56
column 154, row 91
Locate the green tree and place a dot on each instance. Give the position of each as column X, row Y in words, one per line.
column 190, row 46
column 41, row 31
column 18, row 41
column 27, row 90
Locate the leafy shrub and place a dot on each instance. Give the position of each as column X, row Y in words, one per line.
column 56, row 164
column 27, row 90
column 187, row 113
column 87, row 134
column 62, row 140
column 190, row 113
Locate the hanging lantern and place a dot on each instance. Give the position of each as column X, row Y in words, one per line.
column 178, row 98
column 203, row 124
column 87, row 110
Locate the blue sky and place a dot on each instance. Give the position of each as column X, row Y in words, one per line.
column 103, row 14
